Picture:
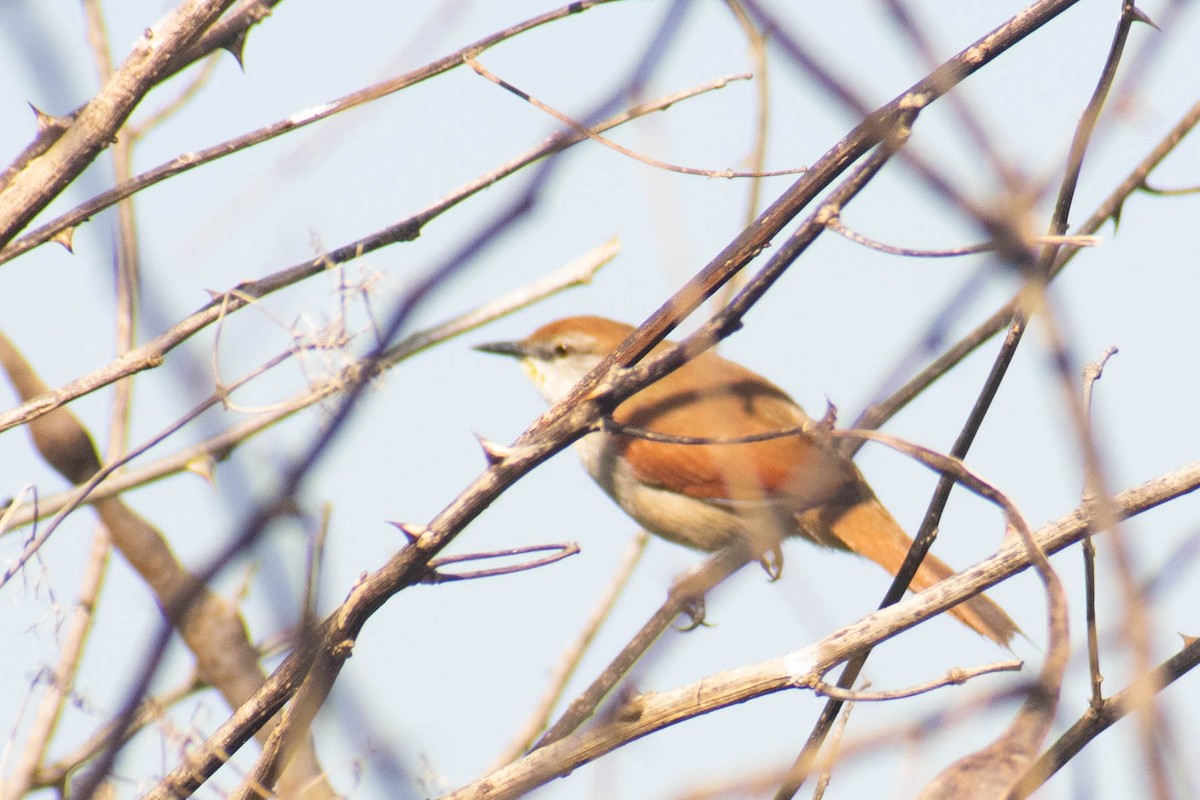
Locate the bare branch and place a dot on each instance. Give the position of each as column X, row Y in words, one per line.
column 43, row 178
column 648, row 713
column 955, row 677
column 188, row 161
column 625, row 151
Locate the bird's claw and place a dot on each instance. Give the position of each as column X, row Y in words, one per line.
column 694, row 608
column 772, row 563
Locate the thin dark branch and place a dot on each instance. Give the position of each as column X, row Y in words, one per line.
column 152, row 354
column 293, row 122
column 557, row 553
column 928, row 530
column 1097, row 720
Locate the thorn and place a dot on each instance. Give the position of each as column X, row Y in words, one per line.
column 830, row 418
column 1116, row 215
column 237, row 49
column 1141, row 16
column 66, row 237
column 203, row 466
column 47, row 122
column 213, row 295
column 411, row 530
column 493, row 452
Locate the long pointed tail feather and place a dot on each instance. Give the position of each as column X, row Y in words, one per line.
column 866, row 528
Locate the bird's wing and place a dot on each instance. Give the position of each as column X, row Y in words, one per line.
column 792, row 471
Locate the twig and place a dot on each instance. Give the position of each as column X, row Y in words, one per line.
column 1037, row 271
column 954, row 677
column 1097, row 719
column 1176, row 192
column 151, row 710
column 757, row 42
column 153, row 353
column 1091, row 374
column 42, row 179
column 23, row 776
column 654, row 711
column 721, row 565
column 569, row 661
column 557, row 553
column 1110, row 208
column 228, row 33
column 579, row 127
column 839, row 228
column 577, row 272
column 87, row 483
column 685, row 593
column 825, row 775
column 300, row 119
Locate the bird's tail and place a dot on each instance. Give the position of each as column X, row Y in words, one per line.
column 866, row 528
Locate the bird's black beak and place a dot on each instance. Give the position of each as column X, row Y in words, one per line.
column 514, row 349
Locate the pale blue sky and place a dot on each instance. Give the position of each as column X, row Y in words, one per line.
column 442, row 676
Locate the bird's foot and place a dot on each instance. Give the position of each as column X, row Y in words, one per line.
column 772, row 563
column 694, row 608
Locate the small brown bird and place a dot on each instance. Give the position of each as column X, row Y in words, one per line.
column 713, row 495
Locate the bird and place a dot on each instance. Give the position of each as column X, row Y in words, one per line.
column 668, row 461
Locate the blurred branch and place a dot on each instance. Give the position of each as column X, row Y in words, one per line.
column 211, row 626
column 976, row 131
column 1037, row 273
column 955, row 677
column 153, row 353
column 647, row 713
column 228, row 33
column 65, row 224
column 1098, row 719
column 876, row 415
column 579, row 127
column 685, row 595
column 756, row 41
column 992, row 771
column 837, row 226
column 569, row 661
column 105, row 483
column 28, row 191
column 1091, row 374
column 57, row 774
column 1104, row 518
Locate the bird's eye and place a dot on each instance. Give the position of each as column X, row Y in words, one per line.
column 561, row 350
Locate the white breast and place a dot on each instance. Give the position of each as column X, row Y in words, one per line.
column 677, row 517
